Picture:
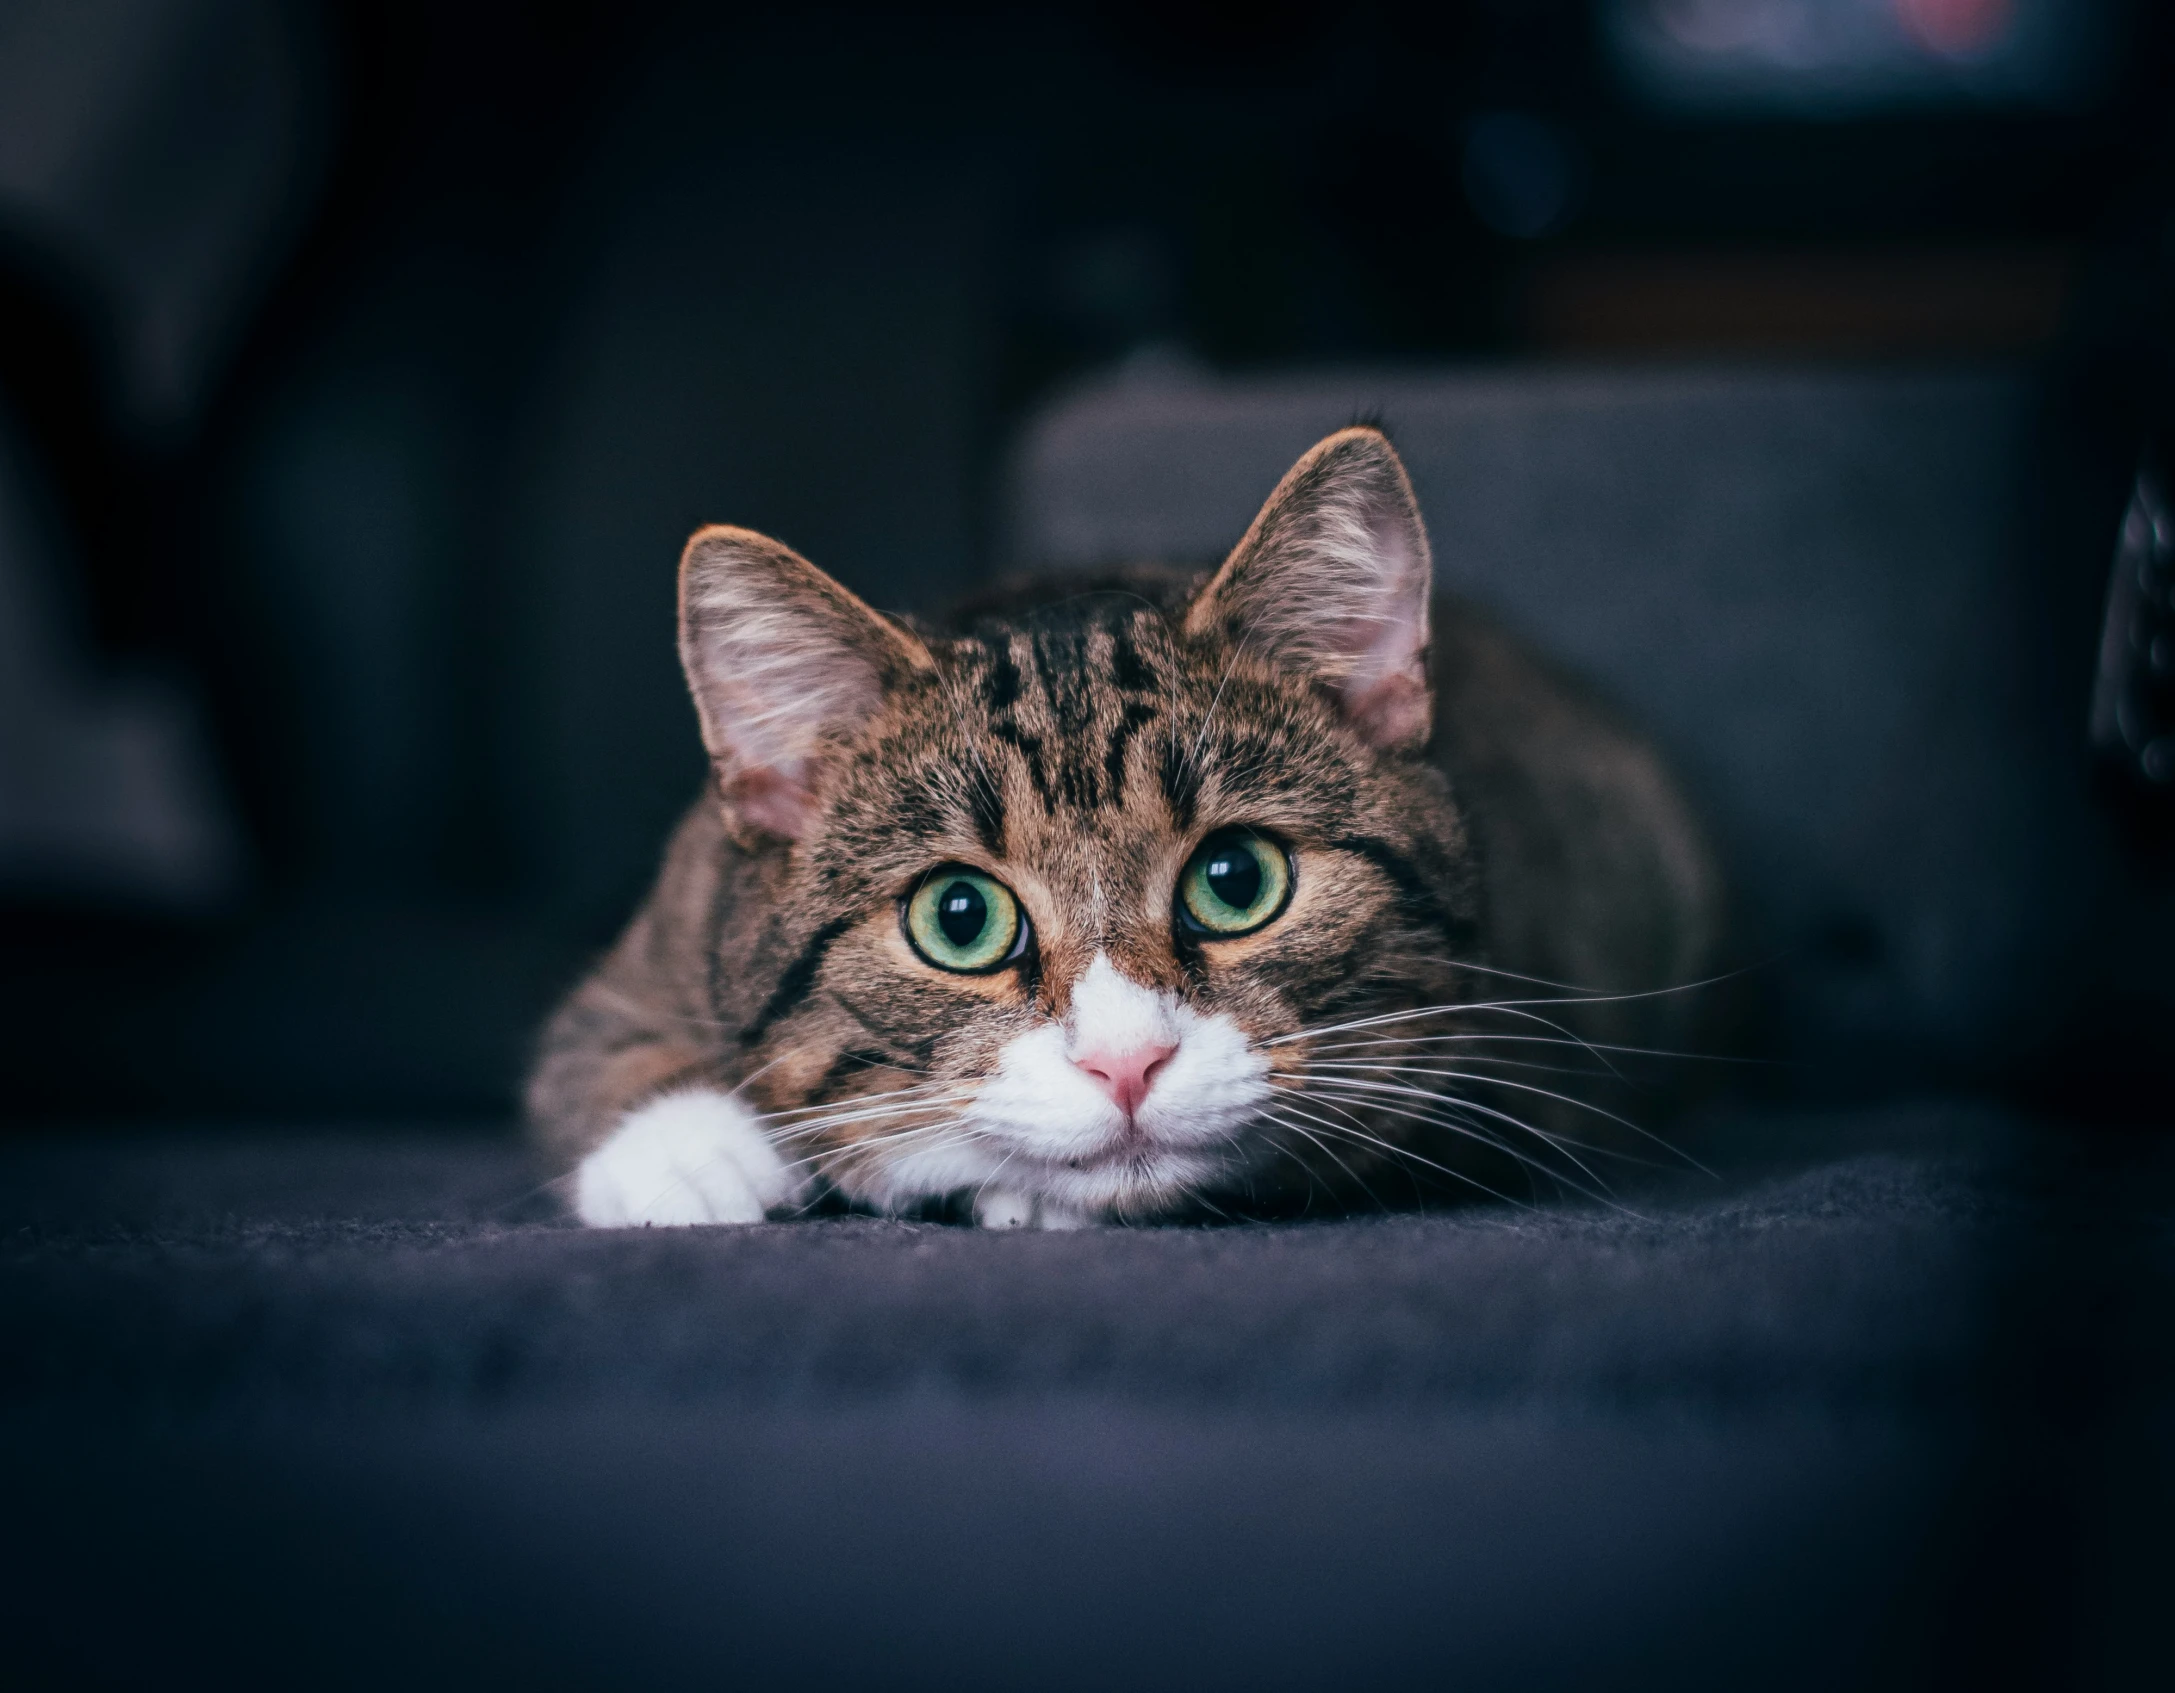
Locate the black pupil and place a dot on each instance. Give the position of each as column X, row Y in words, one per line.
column 1233, row 874
column 962, row 913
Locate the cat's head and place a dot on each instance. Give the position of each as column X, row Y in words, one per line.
column 1056, row 901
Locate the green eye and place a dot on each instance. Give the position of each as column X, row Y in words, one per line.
column 1233, row 884
column 962, row 920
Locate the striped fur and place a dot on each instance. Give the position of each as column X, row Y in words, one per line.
column 1077, row 744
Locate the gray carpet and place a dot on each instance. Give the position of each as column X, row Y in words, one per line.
column 1886, row 1402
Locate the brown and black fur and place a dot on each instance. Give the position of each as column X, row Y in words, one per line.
column 1078, row 741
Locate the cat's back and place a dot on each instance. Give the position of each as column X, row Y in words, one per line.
column 1596, row 870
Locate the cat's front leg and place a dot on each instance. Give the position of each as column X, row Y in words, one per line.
column 1006, row 1208
column 697, row 1156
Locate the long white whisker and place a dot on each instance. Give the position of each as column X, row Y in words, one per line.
column 988, row 1180
column 1377, row 1070
column 1352, row 1126
column 1447, row 1112
column 1493, row 1081
column 1193, row 758
column 958, row 1127
column 1507, row 1007
column 1442, row 1104
column 1350, row 1132
column 917, row 1090
column 1313, row 1184
column 1349, row 1123
column 868, row 1113
column 1583, row 990
column 886, row 1137
column 1331, row 1152
column 1450, row 1112
column 1389, row 1064
column 1498, row 1037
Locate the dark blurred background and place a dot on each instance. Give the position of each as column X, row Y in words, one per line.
column 363, row 366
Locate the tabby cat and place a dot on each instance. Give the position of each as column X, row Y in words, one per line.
column 1157, row 897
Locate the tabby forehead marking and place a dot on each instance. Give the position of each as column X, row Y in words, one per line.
column 1066, row 703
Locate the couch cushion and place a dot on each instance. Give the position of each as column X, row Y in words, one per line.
column 1817, row 1424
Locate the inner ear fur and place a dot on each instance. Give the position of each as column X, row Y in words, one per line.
column 1333, row 582
column 783, row 663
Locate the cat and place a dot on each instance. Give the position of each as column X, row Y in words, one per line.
column 1143, row 898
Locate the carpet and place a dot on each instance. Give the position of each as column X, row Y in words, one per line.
column 1884, row 1400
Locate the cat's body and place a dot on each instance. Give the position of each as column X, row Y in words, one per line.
column 1144, row 899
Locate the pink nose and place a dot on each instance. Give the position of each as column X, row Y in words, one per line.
column 1126, row 1076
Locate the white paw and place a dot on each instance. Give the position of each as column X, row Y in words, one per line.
column 1001, row 1208
column 694, row 1157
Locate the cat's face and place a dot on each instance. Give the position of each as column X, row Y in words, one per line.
column 1061, row 899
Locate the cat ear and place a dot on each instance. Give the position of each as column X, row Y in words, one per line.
column 1332, row 581
column 782, row 662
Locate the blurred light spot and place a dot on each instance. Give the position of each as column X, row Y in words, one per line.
column 1958, row 28
column 1522, row 174
column 1828, row 55
column 1778, row 30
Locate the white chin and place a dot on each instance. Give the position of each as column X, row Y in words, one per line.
column 1158, row 1180
column 1030, row 1185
